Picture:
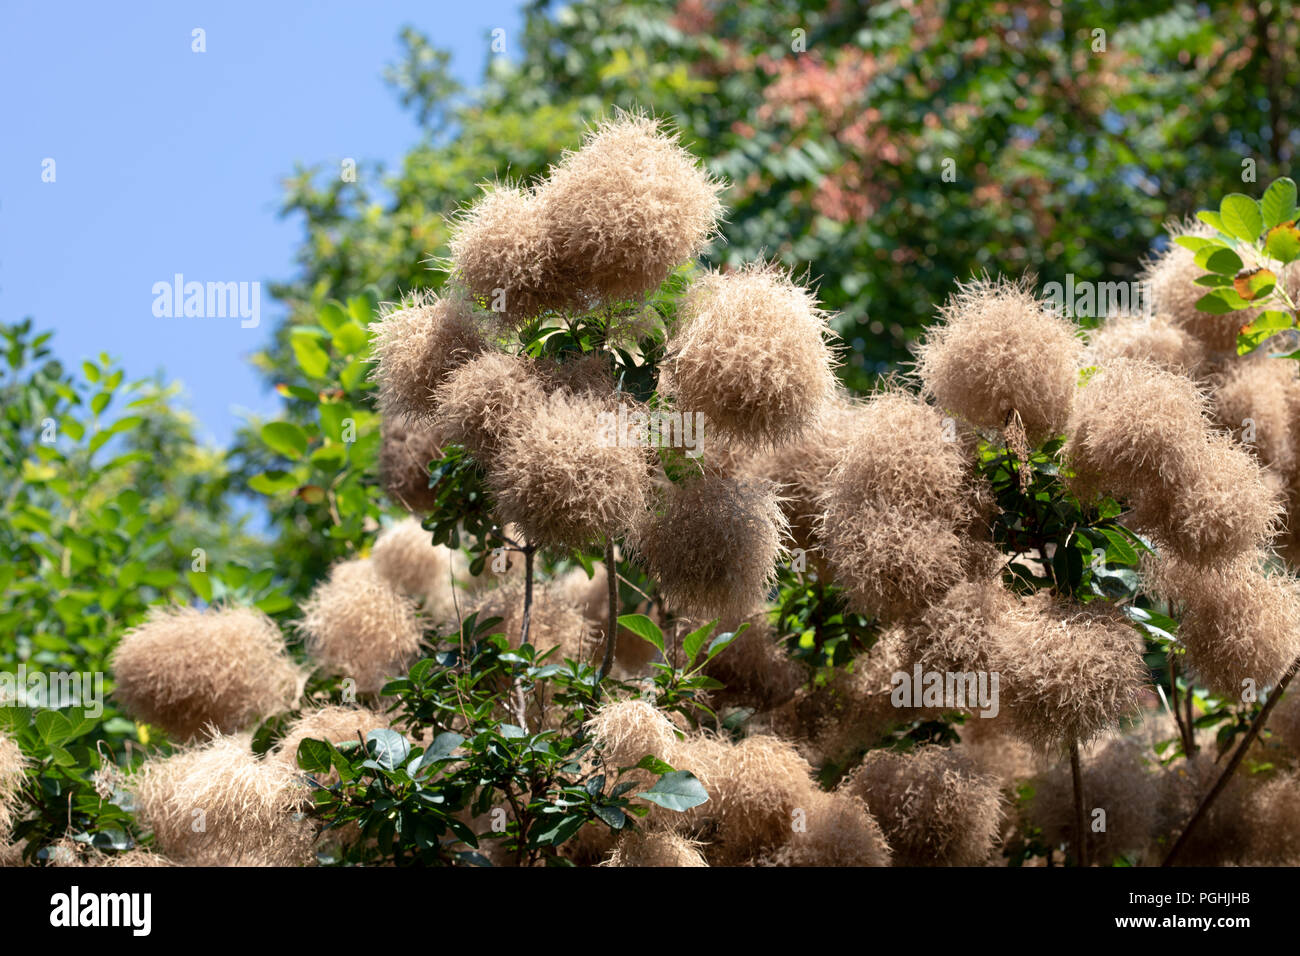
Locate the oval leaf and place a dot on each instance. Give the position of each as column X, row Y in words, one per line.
column 693, row 641
column 1283, row 242
column 314, row 756
column 388, row 748
column 643, row 627
column 1278, row 203
column 1221, row 260
column 1256, row 284
column 679, row 790
column 286, row 438
column 1241, row 216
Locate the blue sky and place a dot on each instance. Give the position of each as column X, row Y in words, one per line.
column 169, row 161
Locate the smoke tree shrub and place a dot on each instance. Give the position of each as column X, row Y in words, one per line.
column 534, row 635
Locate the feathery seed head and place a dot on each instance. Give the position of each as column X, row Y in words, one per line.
column 751, row 353
column 417, row 346
column 1068, row 672
column 503, row 250
column 405, row 451
column 333, row 724
column 485, row 400
column 801, row 467
column 1153, row 339
column 12, row 767
column 407, row 558
column 1002, row 349
column 627, row 208
column 934, row 807
column 1171, row 278
column 1253, row 398
column 1135, row 426
column 359, row 626
column 552, row 622
column 625, row 731
column 1223, row 507
column 838, row 830
column 655, row 848
column 1239, row 622
column 219, row 805
column 714, row 545
column 564, row 482
column 1118, row 779
column 184, row 669
column 754, row 787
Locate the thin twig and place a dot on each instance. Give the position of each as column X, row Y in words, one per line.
column 1238, row 755
column 528, row 595
column 521, row 703
column 1080, row 819
column 1173, row 687
column 611, row 631
column 636, row 589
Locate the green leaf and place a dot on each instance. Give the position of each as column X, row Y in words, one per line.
column 1278, row 204
column 349, row 338
column 1220, row 260
column 1267, row 323
column 353, row 375
column 360, row 308
column 314, row 756
column 613, row 817
column 723, row 641
column 312, row 359
column 563, row 828
column 53, row 727
column 1197, row 243
column 1118, row 548
column 1214, row 280
column 441, row 748
column 274, row 604
column 125, row 423
column 332, row 316
column 329, row 457
column 644, row 628
column 1283, row 242
column 388, row 748
column 273, row 482
column 693, row 641
column 298, row 392
column 1212, row 218
column 286, row 438
column 679, row 790
column 653, row 764
column 1215, row 303
column 201, row 583
column 1241, row 216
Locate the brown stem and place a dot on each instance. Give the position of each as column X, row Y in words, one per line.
column 521, row 847
column 1080, row 818
column 521, row 704
column 611, row 632
column 1191, row 724
column 1173, row 690
column 1238, row 755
